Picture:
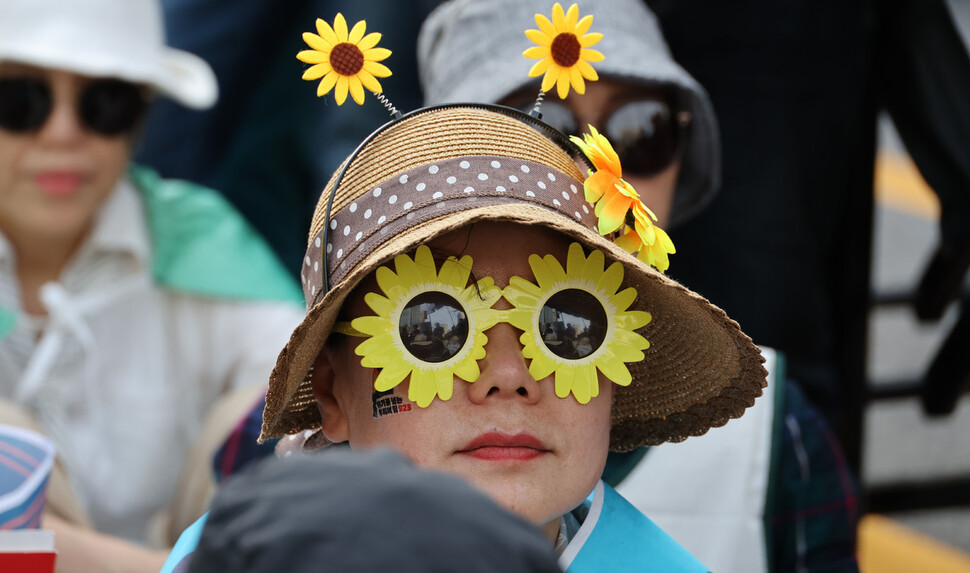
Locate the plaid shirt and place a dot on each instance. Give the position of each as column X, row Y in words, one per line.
column 241, row 448
column 812, row 509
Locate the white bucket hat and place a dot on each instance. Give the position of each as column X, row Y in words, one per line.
column 123, row 39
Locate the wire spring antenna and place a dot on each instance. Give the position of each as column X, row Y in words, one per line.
column 395, row 113
column 535, row 109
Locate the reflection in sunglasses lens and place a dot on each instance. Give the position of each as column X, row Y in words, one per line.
column 572, row 323
column 433, row 327
column 644, row 136
column 24, row 103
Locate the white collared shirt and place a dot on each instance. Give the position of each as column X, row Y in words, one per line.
column 121, row 372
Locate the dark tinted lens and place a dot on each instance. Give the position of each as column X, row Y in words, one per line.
column 111, row 107
column 572, row 323
column 434, row 326
column 644, row 135
column 24, row 103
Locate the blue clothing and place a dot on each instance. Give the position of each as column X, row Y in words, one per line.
column 615, row 536
column 178, row 559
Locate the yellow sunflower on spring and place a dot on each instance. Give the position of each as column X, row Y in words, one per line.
column 619, row 342
column 347, row 61
column 563, row 50
column 617, row 203
column 384, row 349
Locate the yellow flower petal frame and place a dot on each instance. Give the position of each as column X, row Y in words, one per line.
column 563, row 50
column 621, row 344
column 346, row 61
column 384, row 348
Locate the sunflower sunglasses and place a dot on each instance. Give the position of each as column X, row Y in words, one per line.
column 430, row 323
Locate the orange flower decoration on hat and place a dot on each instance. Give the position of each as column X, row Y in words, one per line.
column 618, row 205
column 563, row 50
column 347, row 61
column 648, row 240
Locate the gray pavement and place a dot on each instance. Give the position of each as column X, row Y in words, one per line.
column 901, row 442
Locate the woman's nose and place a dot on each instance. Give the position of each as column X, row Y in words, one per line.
column 504, row 372
column 63, row 124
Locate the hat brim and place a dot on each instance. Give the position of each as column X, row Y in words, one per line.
column 187, row 79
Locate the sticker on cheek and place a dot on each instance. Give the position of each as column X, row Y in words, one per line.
column 386, row 403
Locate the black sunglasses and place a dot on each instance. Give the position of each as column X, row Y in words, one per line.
column 107, row 107
column 647, row 134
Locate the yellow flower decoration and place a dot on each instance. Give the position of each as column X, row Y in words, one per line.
column 650, row 241
column 563, row 50
column 385, row 349
column 345, row 61
column 620, row 344
column 605, row 187
column 614, row 199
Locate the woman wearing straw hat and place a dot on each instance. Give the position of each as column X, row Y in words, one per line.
column 750, row 475
column 125, row 299
column 477, row 217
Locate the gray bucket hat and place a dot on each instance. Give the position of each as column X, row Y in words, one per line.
column 471, row 51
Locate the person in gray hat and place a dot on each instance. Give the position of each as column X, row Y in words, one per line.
column 662, row 125
column 657, row 116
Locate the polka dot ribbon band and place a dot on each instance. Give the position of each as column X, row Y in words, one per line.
column 429, row 192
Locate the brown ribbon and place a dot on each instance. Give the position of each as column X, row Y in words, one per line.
column 428, row 192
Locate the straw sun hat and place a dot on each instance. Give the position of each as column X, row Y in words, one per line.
column 435, row 169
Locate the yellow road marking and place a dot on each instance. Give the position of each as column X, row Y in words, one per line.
column 899, row 185
column 886, row 546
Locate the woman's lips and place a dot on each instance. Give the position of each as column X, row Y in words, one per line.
column 59, row 183
column 496, row 446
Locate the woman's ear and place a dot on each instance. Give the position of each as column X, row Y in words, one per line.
column 335, row 424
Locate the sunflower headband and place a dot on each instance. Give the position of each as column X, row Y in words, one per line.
column 347, row 61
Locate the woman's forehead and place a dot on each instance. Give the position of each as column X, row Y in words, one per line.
column 500, row 250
